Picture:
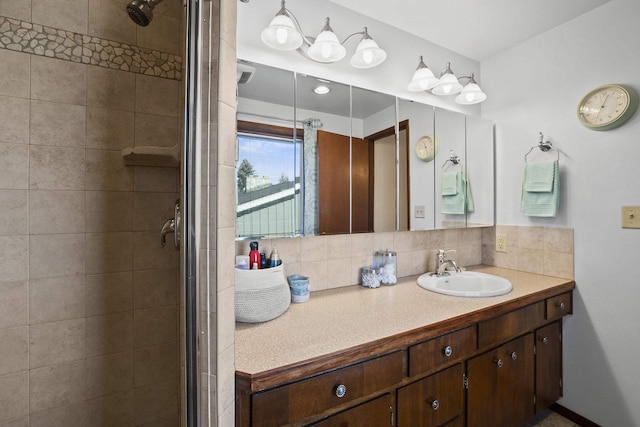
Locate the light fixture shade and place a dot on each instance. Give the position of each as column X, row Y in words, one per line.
column 327, row 47
column 368, row 54
column 471, row 94
column 282, row 34
column 448, row 85
column 423, row 78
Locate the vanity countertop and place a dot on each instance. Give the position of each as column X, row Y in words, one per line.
column 336, row 320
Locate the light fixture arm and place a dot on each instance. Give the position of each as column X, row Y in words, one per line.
column 471, row 78
column 363, row 33
column 284, row 11
column 446, row 69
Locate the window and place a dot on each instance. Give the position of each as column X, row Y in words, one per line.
column 268, row 181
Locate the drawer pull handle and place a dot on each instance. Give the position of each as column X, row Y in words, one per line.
column 498, row 362
column 544, row 340
column 341, row 390
column 514, row 355
column 448, row 351
column 561, row 305
column 435, row 404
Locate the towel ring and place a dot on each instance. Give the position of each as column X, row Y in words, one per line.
column 452, row 158
column 543, row 146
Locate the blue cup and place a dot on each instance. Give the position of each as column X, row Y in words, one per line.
column 299, row 285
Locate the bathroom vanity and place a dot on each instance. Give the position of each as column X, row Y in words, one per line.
column 404, row 356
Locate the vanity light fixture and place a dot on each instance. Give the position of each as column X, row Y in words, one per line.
column 423, row 78
column 321, row 90
column 471, row 92
column 284, row 33
column 448, row 84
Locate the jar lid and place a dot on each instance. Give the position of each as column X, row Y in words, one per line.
column 386, row 253
column 369, row 269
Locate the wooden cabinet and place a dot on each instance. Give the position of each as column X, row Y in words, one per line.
column 314, row 395
column 374, row 413
column 435, row 353
column 437, row 400
column 497, row 369
column 548, row 346
column 559, row 306
column 501, row 385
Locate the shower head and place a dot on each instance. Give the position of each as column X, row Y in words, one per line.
column 141, row 11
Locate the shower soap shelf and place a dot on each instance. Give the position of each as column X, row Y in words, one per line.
column 168, row 157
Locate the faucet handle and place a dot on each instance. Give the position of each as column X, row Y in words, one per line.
column 442, row 254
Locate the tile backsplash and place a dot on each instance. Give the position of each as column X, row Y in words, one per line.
column 335, row 261
column 541, row 250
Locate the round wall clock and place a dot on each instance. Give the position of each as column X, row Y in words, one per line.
column 425, row 148
column 607, row 107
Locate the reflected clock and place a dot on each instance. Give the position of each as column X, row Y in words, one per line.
column 425, row 148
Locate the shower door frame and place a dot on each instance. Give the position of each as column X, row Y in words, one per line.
column 190, row 252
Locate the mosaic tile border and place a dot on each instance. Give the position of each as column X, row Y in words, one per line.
column 21, row 36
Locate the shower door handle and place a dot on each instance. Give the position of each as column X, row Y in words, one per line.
column 172, row 226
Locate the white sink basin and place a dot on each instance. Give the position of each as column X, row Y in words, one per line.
column 466, row 284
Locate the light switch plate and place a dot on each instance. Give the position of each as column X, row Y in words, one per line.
column 419, row 211
column 631, row 217
column 501, row 243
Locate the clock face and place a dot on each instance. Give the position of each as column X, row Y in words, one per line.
column 425, row 148
column 607, row 107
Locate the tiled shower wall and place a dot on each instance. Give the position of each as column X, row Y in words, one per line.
column 88, row 298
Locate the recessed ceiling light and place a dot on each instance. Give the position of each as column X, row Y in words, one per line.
column 321, row 90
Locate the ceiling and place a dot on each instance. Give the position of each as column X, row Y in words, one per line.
column 265, row 79
column 477, row 29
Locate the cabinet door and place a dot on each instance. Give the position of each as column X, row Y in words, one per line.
column 501, row 385
column 375, row 413
column 548, row 365
column 433, row 401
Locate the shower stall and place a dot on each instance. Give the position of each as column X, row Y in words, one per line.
column 105, row 124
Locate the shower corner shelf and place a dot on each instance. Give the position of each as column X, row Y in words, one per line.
column 167, row 157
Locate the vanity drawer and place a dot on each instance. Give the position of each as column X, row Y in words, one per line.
column 559, row 306
column 314, row 395
column 510, row 325
column 430, row 355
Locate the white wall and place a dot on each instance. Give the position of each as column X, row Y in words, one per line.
column 535, row 87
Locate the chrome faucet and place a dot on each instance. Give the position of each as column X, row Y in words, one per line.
column 442, row 263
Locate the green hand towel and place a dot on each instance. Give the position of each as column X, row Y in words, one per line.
column 450, row 183
column 538, row 176
column 461, row 202
column 541, row 203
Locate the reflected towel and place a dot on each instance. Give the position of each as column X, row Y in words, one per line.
column 538, row 176
column 541, row 203
column 462, row 201
column 450, row 183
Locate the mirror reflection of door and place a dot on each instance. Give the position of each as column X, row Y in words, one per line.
column 334, row 176
column 383, row 179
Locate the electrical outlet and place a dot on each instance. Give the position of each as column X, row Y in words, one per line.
column 501, row 243
column 419, row 211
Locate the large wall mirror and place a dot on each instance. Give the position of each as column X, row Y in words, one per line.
column 345, row 161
